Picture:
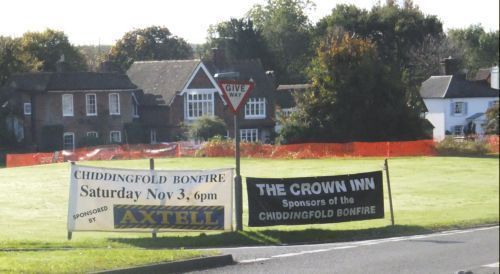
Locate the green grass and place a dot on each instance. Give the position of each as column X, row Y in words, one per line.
column 429, row 193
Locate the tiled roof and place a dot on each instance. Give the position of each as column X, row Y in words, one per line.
column 161, row 80
column 67, row 81
column 455, row 86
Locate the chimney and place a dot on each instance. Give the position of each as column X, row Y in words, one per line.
column 449, row 66
column 61, row 65
column 494, row 77
column 107, row 67
column 218, row 57
column 271, row 78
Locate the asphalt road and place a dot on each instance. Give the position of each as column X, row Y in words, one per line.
column 475, row 250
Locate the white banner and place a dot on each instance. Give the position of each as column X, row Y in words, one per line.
column 106, row 199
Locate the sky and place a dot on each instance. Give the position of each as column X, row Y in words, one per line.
column 105, row 21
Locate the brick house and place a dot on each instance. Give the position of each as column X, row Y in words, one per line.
column 178, row 92
column 64, row 110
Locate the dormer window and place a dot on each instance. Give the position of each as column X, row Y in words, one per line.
column 198, row 104
column 255, row 108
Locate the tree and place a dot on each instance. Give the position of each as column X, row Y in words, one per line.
column 479, row 48
column 10, row 61
column 40, row 51
column 153, row 43
column 355, row 97
column 94, row 55
column 207, row 127
column 287, row 32
column 492, row 120
column 240, row 40
column 395, row 30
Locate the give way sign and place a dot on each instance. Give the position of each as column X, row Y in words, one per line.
column 235, row 93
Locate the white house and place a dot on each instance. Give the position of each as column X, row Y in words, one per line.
column 456, row 105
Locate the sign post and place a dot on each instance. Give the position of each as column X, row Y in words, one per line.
column 236, row 94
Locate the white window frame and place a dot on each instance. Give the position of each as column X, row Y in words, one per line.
column 255, row 108
column 72, row 134
column 27, row 108
column 135, row 107
column 112, row 110
column 94, row 134
column 459, row 129
column 458, row 106
column 67, row 100
column 249, row 134
column 88, row 104
column 153, row 136
column 111, row 137
column 199, row 103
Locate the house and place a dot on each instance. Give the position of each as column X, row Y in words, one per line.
column 456, row 106
column 178, row 92
column 64, row 110
column 285, row 101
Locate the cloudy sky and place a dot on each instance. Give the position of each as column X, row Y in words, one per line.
column 105, row 21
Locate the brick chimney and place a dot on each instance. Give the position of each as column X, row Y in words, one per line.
column 218, row 57
column 61, row 65
column 449, row 66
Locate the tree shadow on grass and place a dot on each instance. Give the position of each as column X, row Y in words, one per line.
column 270, row 237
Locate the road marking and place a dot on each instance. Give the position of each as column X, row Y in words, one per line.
column 493, row 265
column 315, row 251
column 287, row 255
column 345, row 247
column 253, row 260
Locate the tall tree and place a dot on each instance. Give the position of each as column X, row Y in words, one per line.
column 42, row 50
column 94, row 55
column 355, row 97
column 10, row 61
column 479, row 48
column 394, row 29
column 239, row 39
column 152, row 43
column 287, row 31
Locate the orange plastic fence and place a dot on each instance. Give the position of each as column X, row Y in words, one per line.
column 109, row 152
column 494, row 143
column 323, row 150
column 180, row 149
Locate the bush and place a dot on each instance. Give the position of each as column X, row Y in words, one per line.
column 90, row 141
column 206, row 128
column 452, row 147
column 52, row 138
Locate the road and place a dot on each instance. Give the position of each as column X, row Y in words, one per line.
column 475, row 250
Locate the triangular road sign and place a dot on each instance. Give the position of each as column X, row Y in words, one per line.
column 235, row 93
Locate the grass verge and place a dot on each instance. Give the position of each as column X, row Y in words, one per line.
column 429, row 194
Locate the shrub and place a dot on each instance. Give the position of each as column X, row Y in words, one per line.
column 452, row 147
column 206, row 128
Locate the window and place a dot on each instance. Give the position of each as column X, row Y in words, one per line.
column 255, row 108
column 153, row 134
column 68, row 141
column 114, row 104
column 249, row 135
column 91, row 104
column 67, row 104
column 135, row 107
column 458, row 130
column 459, row 108
column 199, row 104
column 115, row 137
column 93, row 134
column 27, row 108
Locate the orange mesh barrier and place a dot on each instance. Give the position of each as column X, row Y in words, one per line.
column 320, row 150
column 226, row 149
column 494, row 143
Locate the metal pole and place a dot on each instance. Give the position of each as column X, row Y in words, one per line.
column 70, row 234
column 237, row 179
column 152, row 167
column 386, row 167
